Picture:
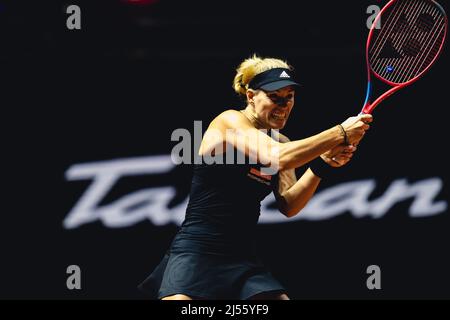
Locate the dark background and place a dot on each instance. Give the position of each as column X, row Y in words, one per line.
column 117, row 89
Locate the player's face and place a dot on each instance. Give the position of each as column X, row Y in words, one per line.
column 273, row 107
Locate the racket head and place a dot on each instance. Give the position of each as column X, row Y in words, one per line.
column 411, row 38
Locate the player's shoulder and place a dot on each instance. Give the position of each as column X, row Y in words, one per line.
column 230, row 118
column 231, row 115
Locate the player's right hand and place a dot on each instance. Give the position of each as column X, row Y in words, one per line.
column 356, row 127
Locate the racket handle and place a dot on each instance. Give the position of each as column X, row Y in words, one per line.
column 366, row 109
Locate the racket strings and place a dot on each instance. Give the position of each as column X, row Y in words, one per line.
column 406, row 64
column 415, row 65
column 409, row 40
column 425, row 22
column 391, row 22
column 429, row 52
column 408, row 12
column 392, row 39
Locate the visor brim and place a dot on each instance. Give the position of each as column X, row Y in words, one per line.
column 277, row 85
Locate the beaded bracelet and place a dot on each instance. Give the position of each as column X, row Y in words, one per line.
column 344, row 134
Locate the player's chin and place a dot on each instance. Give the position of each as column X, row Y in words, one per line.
column 277, row 123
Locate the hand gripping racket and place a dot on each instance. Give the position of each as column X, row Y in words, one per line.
column 407, row 43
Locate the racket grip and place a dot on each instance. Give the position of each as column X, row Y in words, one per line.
column 367, row 109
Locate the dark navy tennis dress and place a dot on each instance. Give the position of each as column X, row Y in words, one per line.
column 213, row 254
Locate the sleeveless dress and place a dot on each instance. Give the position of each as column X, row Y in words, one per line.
column 213, row 254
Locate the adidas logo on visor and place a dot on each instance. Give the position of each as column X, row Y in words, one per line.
column 284, row 75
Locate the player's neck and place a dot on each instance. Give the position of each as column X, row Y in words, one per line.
column 251, row 116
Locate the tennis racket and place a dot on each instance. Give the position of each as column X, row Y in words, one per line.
column 408, row 41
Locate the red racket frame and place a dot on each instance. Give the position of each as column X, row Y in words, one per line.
column 368, row 106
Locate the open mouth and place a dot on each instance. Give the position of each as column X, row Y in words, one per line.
column 279, row 115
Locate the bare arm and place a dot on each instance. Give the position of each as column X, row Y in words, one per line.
column 293, row 200
column 234, row 128
column 292, row 195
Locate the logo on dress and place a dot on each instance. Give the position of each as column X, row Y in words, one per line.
column 259, row 176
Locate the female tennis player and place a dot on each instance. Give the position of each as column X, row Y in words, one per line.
column 213, row 254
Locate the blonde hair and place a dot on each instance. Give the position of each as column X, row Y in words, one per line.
column 252, row 66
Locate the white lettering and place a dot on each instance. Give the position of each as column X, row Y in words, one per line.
column 152, row 203
column 73, row 22
column 374, row 11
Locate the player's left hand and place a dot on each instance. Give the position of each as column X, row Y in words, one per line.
column 339, row 155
